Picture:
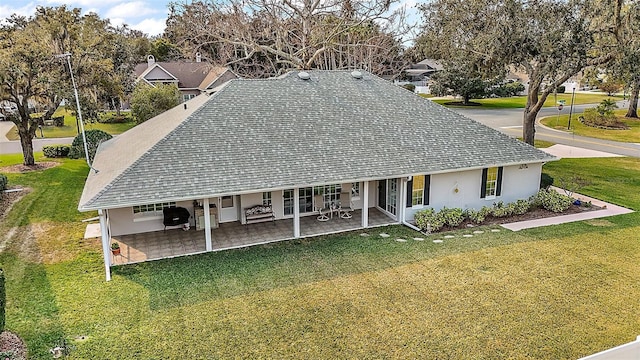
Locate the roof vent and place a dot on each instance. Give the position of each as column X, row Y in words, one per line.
column 304, row 75
column 356, row 74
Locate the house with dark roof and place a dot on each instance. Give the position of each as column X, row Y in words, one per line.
column 191, row 78
column 310, row 152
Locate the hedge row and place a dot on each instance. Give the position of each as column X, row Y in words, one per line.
column 56, row 151
column 430, row 220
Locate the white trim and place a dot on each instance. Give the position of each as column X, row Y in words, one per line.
column 106, row 246
column 207, row 225
column 365, row 204
column 145, row 218
column 296, row 212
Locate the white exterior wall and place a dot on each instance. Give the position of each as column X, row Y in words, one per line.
column 121, row 221
column 518, row 182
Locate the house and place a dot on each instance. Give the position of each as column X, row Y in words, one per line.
column 289, row 147
column 191, row 78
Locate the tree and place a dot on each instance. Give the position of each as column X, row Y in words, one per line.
column 30, row 75
column 610, row 86
column 457, row 79
column 148, row 101
column 551, row 40
column 259, row 38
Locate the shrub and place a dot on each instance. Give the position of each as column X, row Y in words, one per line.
column 545, row 181
column 409, row 87
column 3, row 182
column 115, row 119
column 58, row 120
column 500, row 210
column 520, row 207
column 94, row 138
column 428, row 220
column 451, row 217
column 478, row 216
column 561, row 89
column 551, row 200
column 56, row 151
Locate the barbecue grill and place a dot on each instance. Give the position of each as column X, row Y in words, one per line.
column 175, row 216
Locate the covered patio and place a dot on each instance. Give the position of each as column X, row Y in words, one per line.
column 176, row 242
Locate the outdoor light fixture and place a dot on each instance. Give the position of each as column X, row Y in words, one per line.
column 67, row 56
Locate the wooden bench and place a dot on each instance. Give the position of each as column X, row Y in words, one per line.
column 259, row 213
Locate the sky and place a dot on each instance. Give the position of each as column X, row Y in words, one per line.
column 148, row 16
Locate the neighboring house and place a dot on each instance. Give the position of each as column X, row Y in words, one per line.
column 191, row 78
column 419, row 75
column 294, row 145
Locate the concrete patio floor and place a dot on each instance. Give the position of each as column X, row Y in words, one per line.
column 177, row 242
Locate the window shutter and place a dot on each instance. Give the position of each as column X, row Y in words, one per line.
column 499, row 184
column 483, row 185
column 409, row 192
column 427, row 186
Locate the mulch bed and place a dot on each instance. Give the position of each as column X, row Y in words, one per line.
column 20, row 168
column 11, row 343
column 7, row 199
column 531, row 215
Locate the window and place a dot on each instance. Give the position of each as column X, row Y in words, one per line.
column 187, row 97
column 417, row 191
column 355, row 189
column 266, row 198
column 227, row 201
column 287, row 197
column 306, row 200
column 491, row 183
column 330, row 193
column 151, row 209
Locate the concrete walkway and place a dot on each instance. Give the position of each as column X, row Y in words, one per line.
column 565, row 151
column 609, row 210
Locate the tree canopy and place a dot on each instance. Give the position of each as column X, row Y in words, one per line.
column 259, row 38
column 551, row 40
column 148, row 101
column 35, row 79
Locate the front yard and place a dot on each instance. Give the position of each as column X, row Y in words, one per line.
column 562, row 122
column 520, row 101
column 559, row 292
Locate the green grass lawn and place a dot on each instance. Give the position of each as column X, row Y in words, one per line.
column 561, row 123
column 70, row 128
column 520, row 101
column 559, row 292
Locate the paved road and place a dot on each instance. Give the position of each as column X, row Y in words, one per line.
column 509, row 121
column 13, row 147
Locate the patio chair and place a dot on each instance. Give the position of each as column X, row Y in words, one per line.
column 346, row 207
column 319, row 207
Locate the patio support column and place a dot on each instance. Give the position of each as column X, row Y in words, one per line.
column 400, row 201
column 106, row 247
column 207, row 225
column 296, row 213
column 365, row 204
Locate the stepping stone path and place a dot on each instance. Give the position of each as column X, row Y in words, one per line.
column 478, row 232
column 401, row 240
column 467, row 235
column 438, row 241
column 364, row 234
column 449, row 236
column 384, row 235
column 418, row 239
column 495, row 230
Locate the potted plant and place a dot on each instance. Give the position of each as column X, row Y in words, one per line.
column 115, row 248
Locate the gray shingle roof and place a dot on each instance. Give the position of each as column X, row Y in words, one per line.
column 256, row 135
